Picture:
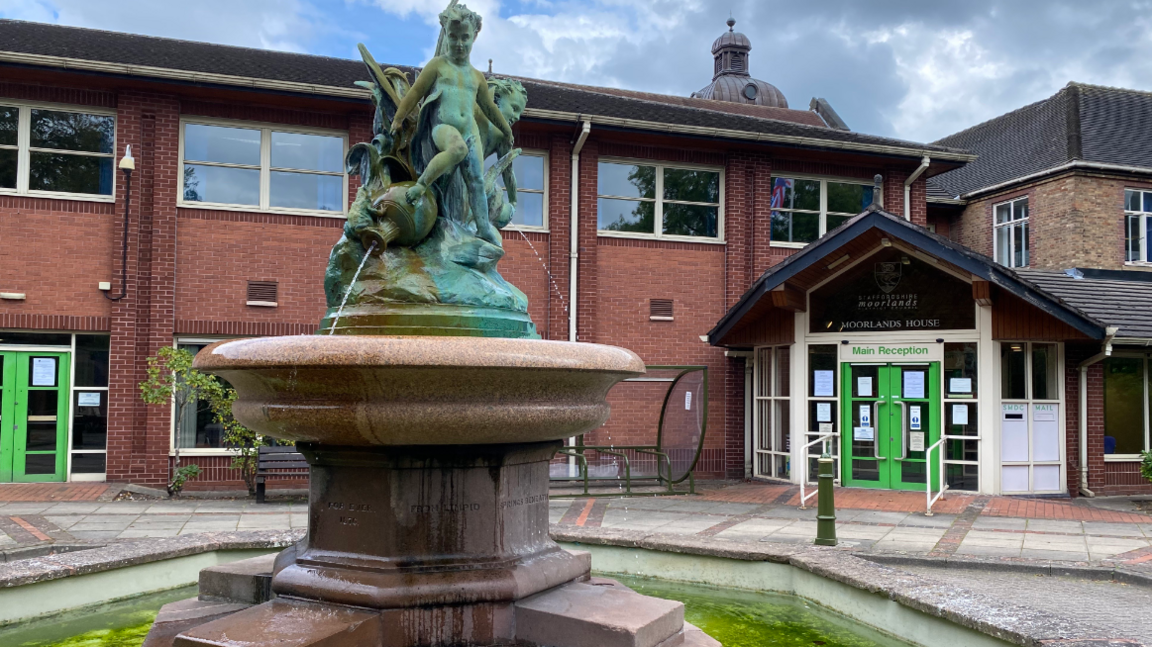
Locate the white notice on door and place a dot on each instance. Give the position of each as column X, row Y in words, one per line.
column 914, row 417
column 863, row 433
column 959, row 414
column 822, row 386
column 916, row 441
column 687, row 400
column 960, row 385
column 914, row 384
column 88, row 399
column 865, row 415
column 825, row 427
column 864, row 387
column 43, row 371
column 823, row 412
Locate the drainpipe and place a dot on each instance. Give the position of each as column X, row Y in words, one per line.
column 924, row 162
column 574, row 243
column 1109, row 333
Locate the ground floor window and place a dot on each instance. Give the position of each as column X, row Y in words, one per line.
column 198, row 428
column 772, row 415
column 1030, row 447
column 961, row 408
column 1126, row 405
column 823, row 406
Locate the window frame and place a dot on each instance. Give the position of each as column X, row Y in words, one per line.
column 1146, row 375
column 266, row 169
column 1012, row 225
column 823, row 212
column 769, row 394
column 1145, row 219
column 659, row 200
column 1028, row 401
column 544, row 227
column 194, row 451
column 24, row 149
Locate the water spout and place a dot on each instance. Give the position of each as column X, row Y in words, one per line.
column 348, row 290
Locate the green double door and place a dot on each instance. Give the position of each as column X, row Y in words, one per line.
column 891, row 417
column 33, row 416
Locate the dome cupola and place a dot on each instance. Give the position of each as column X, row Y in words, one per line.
column 730, row 78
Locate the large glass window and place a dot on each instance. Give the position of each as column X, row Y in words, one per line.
column 823, row 405
column 262, row 168
column 806, row 209
column 531, row 196
column 1126, row 405
column 1138, row 223
column 772, row 417
column 1010, row 231
column 1030, row 446
column 659, row 201
column 56, row 151
column 198, row 428
column 961, row 431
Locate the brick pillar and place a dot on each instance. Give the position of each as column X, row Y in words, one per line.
column 733, row 418
column 586, row 264
column 560, row 228
column 760, row 207
column 738, row 177
column 919, row 201
column 894, row 191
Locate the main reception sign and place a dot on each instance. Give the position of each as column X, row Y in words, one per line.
column 892, row 291
column 895, row 353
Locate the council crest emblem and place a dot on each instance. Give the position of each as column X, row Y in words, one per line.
column 887, row 276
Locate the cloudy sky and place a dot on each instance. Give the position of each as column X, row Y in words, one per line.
column 910, row 69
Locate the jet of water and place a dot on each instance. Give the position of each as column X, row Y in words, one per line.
column 546, row 270
column 348, row 291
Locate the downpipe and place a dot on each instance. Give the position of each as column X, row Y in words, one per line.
column 924, row 162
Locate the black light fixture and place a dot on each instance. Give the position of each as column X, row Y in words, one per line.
column 127, row 165
column 939, row 340
column 844, row 341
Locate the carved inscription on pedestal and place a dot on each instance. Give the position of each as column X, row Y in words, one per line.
column 346, row 510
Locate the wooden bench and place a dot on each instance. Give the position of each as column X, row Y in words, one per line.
column 277, row 461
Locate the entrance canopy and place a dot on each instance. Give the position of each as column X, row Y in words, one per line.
column 879, row 272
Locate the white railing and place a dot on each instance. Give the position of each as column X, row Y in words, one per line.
column 825, row 437
column 939, row 444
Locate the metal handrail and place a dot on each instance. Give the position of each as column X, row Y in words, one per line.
column 928, row 481
column 627, row 468
column 824, row 437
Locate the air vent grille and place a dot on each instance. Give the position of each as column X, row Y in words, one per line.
column 660, row 309
column 262, row 293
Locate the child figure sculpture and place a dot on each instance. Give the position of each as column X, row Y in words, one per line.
column 451, row 90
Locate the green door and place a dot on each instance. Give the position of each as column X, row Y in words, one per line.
column 891, row 417
column 33, row 416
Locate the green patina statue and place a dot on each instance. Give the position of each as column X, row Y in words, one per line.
column 419, row 250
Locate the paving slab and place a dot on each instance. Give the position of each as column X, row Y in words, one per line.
column 999, row 523
column 1055, row 525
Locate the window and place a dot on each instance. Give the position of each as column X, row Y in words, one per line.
column 1030, row 444
column 198, row 429
column 531, row 193
column 262, row 168
column 806, row 209
column 56, row 151
column 1010, row 232
column 961, row 430
column 90, row 404
column 659, row 201
column 1138, row 216
column 772, row 414
column 1126, row 405
column 823, row 407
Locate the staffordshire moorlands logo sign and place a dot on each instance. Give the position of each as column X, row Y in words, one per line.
column 887, row 276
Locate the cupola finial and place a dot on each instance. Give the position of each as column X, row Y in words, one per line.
column 731, row 22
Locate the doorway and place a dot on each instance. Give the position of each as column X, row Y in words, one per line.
column 33, row 416
column 891, row 412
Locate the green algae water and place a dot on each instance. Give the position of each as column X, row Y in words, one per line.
column 749, row 619
column 120, row 624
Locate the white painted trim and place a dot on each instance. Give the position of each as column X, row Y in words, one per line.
column 24, row 150
column 659, row 200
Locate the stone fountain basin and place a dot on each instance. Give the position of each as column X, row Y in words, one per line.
column 357, row 390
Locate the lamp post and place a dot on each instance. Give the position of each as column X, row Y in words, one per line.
column 127, row 165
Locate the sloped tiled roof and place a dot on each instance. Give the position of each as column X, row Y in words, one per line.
column 149, row 54
column 1123, row 303
column 1082, row 122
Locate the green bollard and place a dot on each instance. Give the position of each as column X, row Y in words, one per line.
column 826, row 508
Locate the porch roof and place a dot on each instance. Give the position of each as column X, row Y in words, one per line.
column 1118, row 298
column 860, row 236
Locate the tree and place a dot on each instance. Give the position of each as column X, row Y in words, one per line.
column 1146, row 465
column 172, row 380
column 240, row 439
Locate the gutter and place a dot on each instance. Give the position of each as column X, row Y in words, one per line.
column 1105, row 352
column 573, row 239
column 924, row 162
column 1074, row 164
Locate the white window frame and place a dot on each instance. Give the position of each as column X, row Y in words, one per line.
column 1027, row 402
column 785, row 435
column 658, row 219
column 265, row 167
column 1146, row 365
column 1144, row 218
column 194, row 451
column 1013, row 226
column 24, row 150
column 823, row 213
column 531, row 152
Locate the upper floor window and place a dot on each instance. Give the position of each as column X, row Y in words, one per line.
column 265, row 169
column 806, row 209
column 56, row 151
column 1010, row 232
column 1138, row 214
column 659, row 201
column 531, row 193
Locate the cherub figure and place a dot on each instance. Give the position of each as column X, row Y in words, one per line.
column 510, row 98
column 451, row 90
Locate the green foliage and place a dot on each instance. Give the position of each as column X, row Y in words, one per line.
column 1146, row 465
column 182, row 475
column 244, row 442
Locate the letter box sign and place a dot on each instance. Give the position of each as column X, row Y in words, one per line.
column 927, row 352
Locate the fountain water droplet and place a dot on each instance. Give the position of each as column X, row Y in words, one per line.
column 551, row 279
column 340, row 310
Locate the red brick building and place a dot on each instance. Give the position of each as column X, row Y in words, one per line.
column 643, row 221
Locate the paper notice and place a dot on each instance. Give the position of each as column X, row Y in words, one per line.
column 823, row 412
column 43, row 371
column 914, row 417
column 914, row 384
column 88, row 399
column 960, row 385
column 916, row 441
column 863, row 433
column 959, row 414
column 823, row 386
column 864, row 387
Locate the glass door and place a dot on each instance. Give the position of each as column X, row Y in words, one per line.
column 33, row 416
column 891, row 412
